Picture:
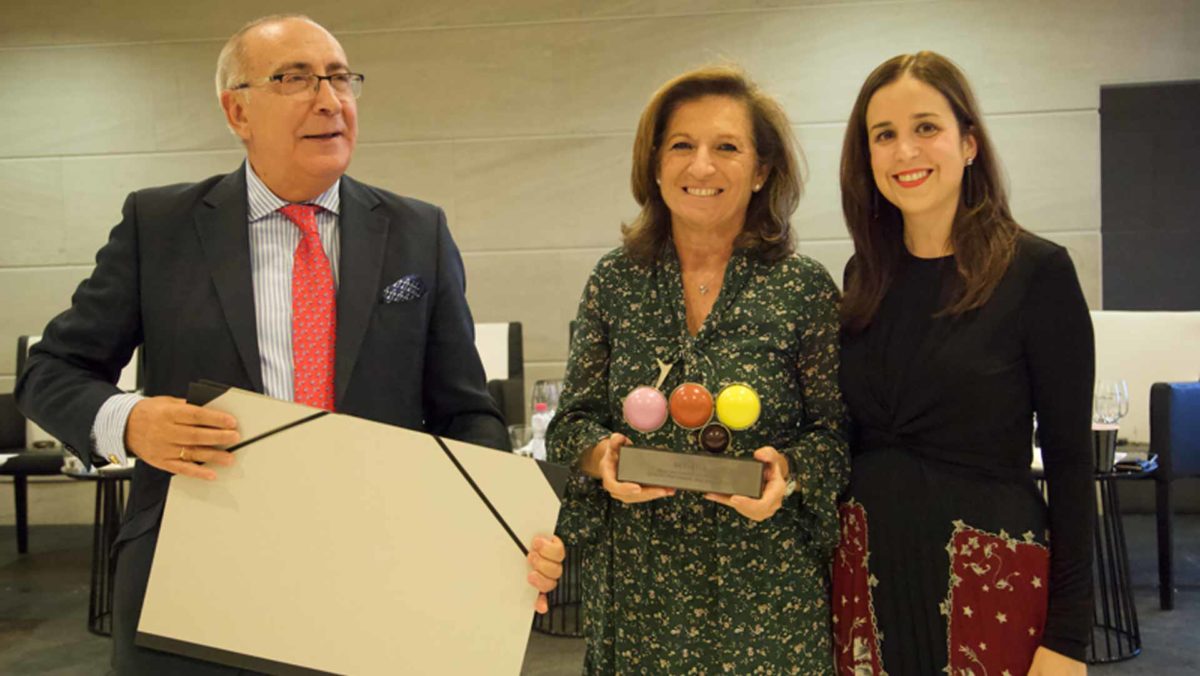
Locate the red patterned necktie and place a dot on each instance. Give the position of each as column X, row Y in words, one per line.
column 314, row 313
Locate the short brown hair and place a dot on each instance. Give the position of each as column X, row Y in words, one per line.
column 767, row 230
column 983, row 234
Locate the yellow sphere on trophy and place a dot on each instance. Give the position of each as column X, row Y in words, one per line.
column 738, row 406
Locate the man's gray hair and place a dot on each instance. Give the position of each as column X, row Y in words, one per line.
column 231, row 68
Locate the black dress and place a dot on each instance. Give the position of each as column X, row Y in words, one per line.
column 950, row 559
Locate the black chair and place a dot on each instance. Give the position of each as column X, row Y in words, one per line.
column 33, row 459
column 1175, row 438
column 501, row 348
column 45, row 458
column 27, row 463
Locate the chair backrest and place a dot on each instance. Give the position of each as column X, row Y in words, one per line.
column 12, row 425
column 1144, row 348
column 34, row 435
column 501, row 349
column 1175, row 428
column 130, row 380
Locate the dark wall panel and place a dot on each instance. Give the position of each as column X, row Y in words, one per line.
column 1150, row 183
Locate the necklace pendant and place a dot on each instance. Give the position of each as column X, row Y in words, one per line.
column 703, row 289
column 664, row 367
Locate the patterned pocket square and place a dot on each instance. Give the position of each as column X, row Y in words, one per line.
column 408, row 287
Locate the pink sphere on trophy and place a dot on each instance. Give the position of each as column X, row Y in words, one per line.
column 645, row 409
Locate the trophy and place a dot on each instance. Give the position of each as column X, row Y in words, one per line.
column 712, row 421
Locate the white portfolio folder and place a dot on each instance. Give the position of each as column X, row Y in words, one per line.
column 340, row 545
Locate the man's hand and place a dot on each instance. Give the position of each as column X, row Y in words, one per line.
column 608, row 453
column 775, row 474
column 173, row 435
column 545, row 558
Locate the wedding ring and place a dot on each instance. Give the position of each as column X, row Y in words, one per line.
column 183, row 454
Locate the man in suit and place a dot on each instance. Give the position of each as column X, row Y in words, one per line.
column 285, row 277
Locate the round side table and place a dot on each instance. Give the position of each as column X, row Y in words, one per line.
column 1115, row 633
column 565, row 614
column 110, row 508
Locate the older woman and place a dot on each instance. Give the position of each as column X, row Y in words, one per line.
column 707, row 281
column 958, row 326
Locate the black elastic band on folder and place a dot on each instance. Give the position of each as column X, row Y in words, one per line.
column 479, row 492
column 227, row 657
column 201, row 392
column 277, row 430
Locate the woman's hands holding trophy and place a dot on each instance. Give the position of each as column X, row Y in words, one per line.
column 775, row 477
column 601, row 463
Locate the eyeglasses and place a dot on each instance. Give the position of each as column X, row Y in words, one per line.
column 291, row 84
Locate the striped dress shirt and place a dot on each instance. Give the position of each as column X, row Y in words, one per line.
column 273, row 242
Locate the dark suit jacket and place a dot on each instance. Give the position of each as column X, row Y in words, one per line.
column 175, row 277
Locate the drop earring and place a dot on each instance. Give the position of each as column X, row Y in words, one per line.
column 966, row 189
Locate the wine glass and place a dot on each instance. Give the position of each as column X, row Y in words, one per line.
column 1110, row 401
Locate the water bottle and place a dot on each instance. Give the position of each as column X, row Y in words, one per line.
column 539, row 421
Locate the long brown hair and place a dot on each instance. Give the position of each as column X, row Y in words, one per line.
column 983, row 234
column 767, row 230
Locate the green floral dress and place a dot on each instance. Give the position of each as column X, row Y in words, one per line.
column 682, row 584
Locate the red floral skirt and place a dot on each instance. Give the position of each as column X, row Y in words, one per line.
column 992, row 607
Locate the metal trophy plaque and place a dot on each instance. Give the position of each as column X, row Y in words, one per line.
column 692, row 407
